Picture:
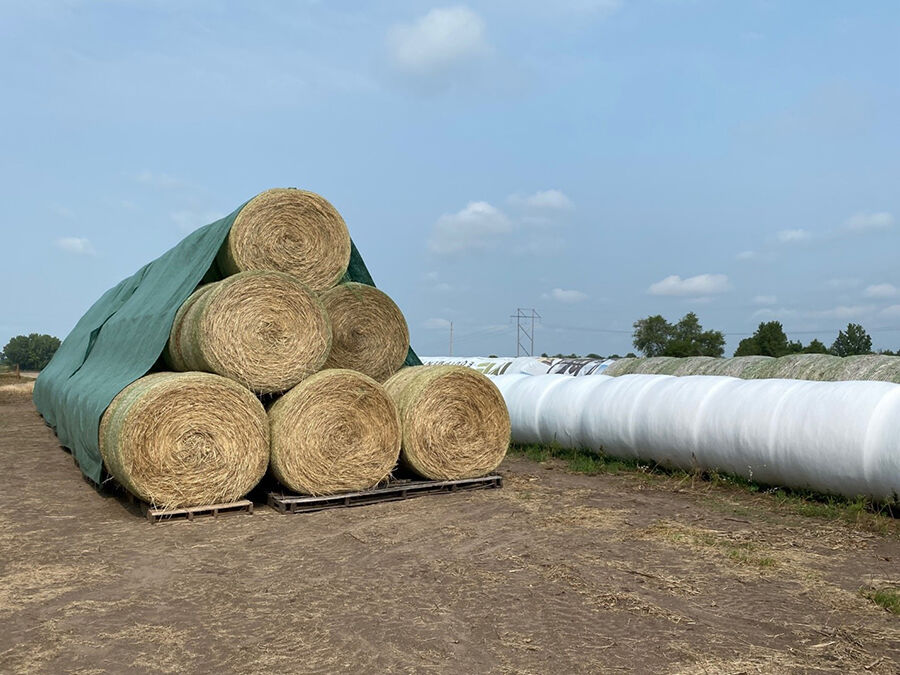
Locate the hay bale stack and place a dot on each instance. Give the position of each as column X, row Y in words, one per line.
column 369, row 332
column 185, row 439
column 336, row 431
column 455, row 422
column 292, row 231
column 265, row 330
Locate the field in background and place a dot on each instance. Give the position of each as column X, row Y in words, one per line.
column 571, row 567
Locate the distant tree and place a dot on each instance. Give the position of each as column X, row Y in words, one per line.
column 492, row 356
column 768, row 340
column 616, row 356
column 887, row 352
column 629, row 355
column 815, row 347
column 855, row 340
column 544, row 355
column 654, row 336
column 592, row 355
column 30, row 352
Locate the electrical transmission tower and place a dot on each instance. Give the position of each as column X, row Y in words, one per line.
column 523, row 333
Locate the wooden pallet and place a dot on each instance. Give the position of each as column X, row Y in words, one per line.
column 393, row 491
column 189, row 513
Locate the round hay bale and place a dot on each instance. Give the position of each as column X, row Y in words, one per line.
column 455, row 422
column 695, row 365
column 172, row 354
column 337, row 431
column 265, row 330
column 746, row 367
column 185, row 439
column 860, row 367
column 291, row 231
column 884, row 368
column 369, row 332
column 818, row 367
column 655, row 365
column 623, row 366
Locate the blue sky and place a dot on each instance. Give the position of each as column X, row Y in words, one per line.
column 598, row 160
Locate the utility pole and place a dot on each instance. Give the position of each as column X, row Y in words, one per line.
column 521, row 316
column 451, row 338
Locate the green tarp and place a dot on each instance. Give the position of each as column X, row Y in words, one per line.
column 121, row 338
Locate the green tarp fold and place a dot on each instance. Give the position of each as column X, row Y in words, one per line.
column 121, row 337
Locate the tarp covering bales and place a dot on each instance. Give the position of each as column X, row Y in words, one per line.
column 121, row 337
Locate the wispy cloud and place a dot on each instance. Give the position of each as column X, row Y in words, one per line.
column 436, row 324
column 793, row 236
column 764, row 300
column 881, row 291
column 478, row 226
column 700, row 285
column 552, row 200
column 439, row 44
column 76, row 245
column 842, row 312
column 869, row 222
column 565, row 296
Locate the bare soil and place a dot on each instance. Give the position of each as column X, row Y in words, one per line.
column 556, row 572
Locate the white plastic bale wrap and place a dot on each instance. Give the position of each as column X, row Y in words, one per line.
column 833, row 437
column 527, row 365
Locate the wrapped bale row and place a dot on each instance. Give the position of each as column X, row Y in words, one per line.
column 833, row 437
column 281, row 325
column 817, row 367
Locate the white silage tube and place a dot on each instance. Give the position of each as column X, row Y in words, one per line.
column 834, row 437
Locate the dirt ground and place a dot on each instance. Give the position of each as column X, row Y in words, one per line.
column 554, row 573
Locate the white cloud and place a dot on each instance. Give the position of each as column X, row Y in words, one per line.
column 437, row 324
column 891, row 311
column 443, row 40
column 553, row 200
column 881, row 291
column 478, row 226
column 843, row 283
column 191, row 220
column 842, row 312
column 702, row 284
column 764, row 300
column 566, row 296
column 76, row 245
column 793, row 236
column 746, row 255
column 868, row 222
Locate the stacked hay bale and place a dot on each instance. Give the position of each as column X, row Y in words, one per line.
column 284, row 323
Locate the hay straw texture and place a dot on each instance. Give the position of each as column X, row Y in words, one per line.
column 336, row 431
column 265, row 330
column 291, row 231
column 369, row 332
column 455, row 422
column 185, row 439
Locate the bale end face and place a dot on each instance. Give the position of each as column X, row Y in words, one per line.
column 185, row 439
column 337, row 431
column 455, row 421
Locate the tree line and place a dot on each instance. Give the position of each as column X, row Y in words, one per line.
column 655, row 336
column 29, row 352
